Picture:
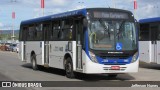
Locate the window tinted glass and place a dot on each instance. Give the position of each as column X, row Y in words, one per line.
column 38, row 31
column 62, row 30
column 144, row 32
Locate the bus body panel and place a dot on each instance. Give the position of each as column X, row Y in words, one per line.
column 36, row 48
column 41, row 58
column 57, row 52
column 144, row 51
column 158, row 52
column 21, row 43
column 74, row 55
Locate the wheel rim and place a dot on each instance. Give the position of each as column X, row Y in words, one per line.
column 68, row 68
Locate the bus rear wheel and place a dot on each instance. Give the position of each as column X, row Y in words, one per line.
column 34, row 62
column 69, row 68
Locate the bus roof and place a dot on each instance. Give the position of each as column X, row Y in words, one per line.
column 65, row 14
column 60, row 15
column 149, row 20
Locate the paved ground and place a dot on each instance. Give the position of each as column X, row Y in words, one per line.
column 11, row 68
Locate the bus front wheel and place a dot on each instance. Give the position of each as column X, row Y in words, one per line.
column 34, row 63
column 69, row 68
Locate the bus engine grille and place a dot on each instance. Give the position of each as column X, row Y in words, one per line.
column 119, row 56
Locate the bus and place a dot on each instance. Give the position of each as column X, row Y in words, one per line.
column 149, row 40
column 90, row 41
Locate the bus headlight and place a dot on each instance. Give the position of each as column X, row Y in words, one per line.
column 134, row 58
column 93, row 57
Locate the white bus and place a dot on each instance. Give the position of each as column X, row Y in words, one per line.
column 91, row 41
column 150, row 40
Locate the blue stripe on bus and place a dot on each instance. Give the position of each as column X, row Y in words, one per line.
column 87, row 44
column 113, row 61
column 149, row 20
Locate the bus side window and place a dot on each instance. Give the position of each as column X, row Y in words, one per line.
column 67, row 29
column 60, row 34
column 55, row 30
column 158, row 33
column 31, row 33
column 46, row 28
column 20, row 35
column 24, row 33
column 79, row 31
column 38, row 32
column 144, row 32
column 51, row 32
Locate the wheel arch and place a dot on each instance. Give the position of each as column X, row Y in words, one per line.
column 33, row 60
column 32, row 53
column 65, row 58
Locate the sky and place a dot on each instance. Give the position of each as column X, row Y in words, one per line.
column 28, row 9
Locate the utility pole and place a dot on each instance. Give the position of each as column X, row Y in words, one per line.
column 42, row 6
column 13, row 19
column 135, row 8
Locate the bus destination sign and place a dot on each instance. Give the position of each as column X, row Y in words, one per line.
column 112, row 15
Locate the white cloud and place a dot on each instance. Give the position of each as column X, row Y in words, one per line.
column 30, row 2
column 79, row 7
column 59, row 2
column 56, row 10
column 36, row 9
column 48, row 3
column 4, row 26
column 145, row 8
column 148, row 8
column 1, row 24
column 51, row 6
column 63, row 5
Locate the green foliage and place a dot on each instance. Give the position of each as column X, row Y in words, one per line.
column 8, row 36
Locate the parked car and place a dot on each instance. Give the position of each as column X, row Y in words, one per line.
column 12, row 46
column 16, row 48
column 7, row 48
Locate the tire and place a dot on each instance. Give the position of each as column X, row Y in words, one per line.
column 34, row 62
column 69, row 68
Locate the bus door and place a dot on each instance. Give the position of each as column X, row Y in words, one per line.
column 158, row 43
column 154, row 29
column 79, row 30
column 46, row 28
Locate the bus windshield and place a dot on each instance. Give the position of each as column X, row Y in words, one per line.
column 112, row 35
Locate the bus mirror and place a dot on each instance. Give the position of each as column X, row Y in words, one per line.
column 85, row 22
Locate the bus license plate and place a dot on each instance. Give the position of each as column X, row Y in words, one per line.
column 115, row 67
